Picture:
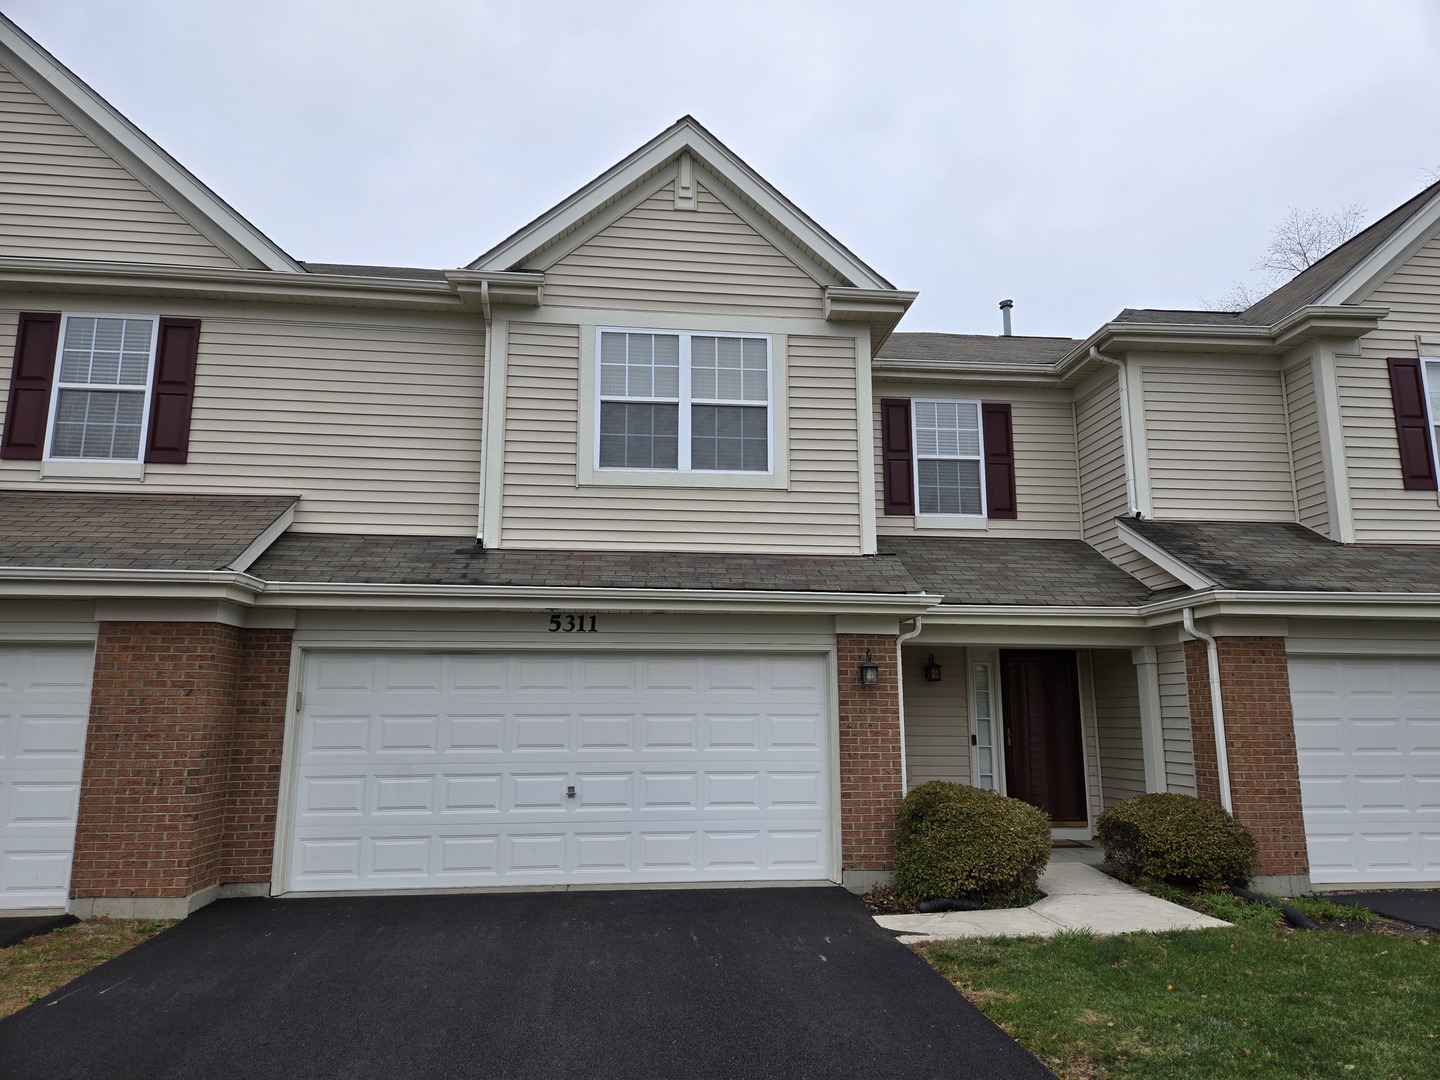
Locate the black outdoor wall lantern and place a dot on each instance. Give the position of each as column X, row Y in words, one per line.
column 932, row 669
column 869, row 671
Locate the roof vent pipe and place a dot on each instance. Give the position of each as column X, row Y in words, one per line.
column 1005, row 306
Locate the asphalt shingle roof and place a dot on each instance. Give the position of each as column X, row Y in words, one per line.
column 449, row 560
column 1058, row 573
column 1285, row 557
column 414, row 273
column 976, row 348
column 1180, row 317
column 132, row 532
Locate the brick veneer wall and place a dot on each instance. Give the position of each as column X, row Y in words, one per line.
column 1259, row 741
column 261, row 700
column 871, row 778
column 182, row 719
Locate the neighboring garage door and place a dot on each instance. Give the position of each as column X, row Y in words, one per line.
column 461, row 770
column 44, row 706
column 1368, row 736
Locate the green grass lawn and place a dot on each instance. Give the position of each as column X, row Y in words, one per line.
column 1251, row 1001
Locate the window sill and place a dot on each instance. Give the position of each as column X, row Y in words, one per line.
column 96, row 470
column 666, row 478
column 952, row 522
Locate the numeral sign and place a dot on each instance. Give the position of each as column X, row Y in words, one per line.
column 571, row 622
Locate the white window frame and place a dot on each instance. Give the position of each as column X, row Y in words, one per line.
column 1430, row 418
column 982, row 517
column 991, row 663
column 685, row 402
column 83, row 466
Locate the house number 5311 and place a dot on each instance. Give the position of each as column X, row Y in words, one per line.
column 571, row 622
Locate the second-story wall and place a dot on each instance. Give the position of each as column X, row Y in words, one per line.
column 1312, row 503
column 372, row 418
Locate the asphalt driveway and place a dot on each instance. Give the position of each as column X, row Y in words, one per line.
column 733, row 984
column 1418, row 906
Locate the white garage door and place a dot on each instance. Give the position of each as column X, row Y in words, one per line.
column 453, row 771
column 44, row 706
column 1368, row 736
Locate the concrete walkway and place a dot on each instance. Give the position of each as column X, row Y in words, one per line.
column 1077, row 897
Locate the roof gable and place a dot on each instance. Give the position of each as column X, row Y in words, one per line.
column 140, row 185
column 1352, row 271
column 673, row 153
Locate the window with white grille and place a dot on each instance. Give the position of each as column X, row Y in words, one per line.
column 684, row 402
column 948, row 456
column 102, row 384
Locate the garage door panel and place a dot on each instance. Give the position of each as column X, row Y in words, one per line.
column 668, row 784
column 44, row 708
column 1369, row 780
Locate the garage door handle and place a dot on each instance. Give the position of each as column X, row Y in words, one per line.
column 570, row 792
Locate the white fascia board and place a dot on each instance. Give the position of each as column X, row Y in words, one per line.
column 21, row 274
column 1383, row 261
column 684, row 136
column 158, row 170
column 1271, row 604
column 516, row 598
column 958, row 371
column 261, row 543
column 1176, row 568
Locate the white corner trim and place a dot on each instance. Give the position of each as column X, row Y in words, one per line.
column 1186, row 573
column 261, row 543
column 492, row 454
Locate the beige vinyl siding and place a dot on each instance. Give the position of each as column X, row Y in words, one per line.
column 1117, row 708
column 1175, row 720
column 1100, row 452
column 657, row 258
column 937, row 718
column 1383, row 510
column 1218, row 445
column 1312, row 505
column 545, row 508
column 376, row 427
column 1046, row 481
column 65, row 198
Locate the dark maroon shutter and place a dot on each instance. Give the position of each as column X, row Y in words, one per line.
column 898, row 469
column 28, row 411
column 999, row 462
column 173, row 391
column 1412, row 426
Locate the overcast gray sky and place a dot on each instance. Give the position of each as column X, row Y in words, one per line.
column 1078, row 157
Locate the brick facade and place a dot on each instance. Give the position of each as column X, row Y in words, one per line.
column 184, row 718
column 1259, row 742
column 871, row 776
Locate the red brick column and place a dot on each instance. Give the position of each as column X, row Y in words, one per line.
column 1259, row 742
column 261, row 698
column 871, row 780
column 156, row 760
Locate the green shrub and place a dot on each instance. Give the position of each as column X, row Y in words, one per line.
column 961, row 842
column 1177, row 839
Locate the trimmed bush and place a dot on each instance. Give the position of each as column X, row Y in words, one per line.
column 1177, row 839
column 962, row 843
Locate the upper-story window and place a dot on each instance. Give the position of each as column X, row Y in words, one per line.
column 684, row 401
column 102, row 387
column 948, row 458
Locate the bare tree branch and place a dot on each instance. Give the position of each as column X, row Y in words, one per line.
column 1304, row 237
column 1240, row 297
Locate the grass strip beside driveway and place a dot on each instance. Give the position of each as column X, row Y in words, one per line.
column 41, row 965
column 1249, row 1002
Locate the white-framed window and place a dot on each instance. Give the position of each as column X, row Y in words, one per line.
column 949, row 458
column 101, row 398
column 985, row 742
column 683, row 401
column 1430, row 372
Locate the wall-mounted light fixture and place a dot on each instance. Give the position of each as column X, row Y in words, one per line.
column 869, row 671
column 932, row 669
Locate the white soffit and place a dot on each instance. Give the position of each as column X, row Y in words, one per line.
column 747, row 191
column 139, row 154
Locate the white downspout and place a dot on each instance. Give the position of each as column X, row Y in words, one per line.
column 1125, row 439
column 900, row 698
column 1217, row 713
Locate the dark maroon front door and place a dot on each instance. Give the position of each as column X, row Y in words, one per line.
column 1044, row 763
